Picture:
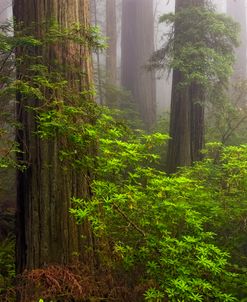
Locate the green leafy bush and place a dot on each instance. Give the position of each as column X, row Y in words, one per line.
column 7, row 263
column 167, row 228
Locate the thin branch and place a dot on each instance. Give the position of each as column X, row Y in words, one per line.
column 230, row 130
column 129, row 221
column 6, row 59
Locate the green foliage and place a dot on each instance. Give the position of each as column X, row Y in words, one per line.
column 44, row 87
column 173, row 227
column 200, row 45
column 154, row 295
column 227, row 116
column 223, row 173
column 7, row 263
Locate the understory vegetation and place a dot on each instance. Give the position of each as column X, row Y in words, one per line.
column 175, row 238
column 155, row 236
column 184, row 234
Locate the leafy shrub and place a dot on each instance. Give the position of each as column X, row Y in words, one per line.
column 163, row 228
column 7, row 263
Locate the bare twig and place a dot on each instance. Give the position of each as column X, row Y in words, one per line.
column 117, row 208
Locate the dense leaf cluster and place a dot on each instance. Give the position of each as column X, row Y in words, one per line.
column 200, row 44
column 184, row 234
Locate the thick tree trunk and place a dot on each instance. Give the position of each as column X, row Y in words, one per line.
column 179, row 148
column 237, row 10
column 187, row 115
column 137, row 48
column 46, row 234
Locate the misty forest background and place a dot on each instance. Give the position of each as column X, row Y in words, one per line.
column 123, row 150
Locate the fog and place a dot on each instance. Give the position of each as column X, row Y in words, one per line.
column 5, row 10
column 163, row 81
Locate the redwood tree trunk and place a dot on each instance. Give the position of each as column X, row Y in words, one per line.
column 137, row 48
column 187, row 115
column 46, row 234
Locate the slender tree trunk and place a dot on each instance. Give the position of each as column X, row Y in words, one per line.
column 237, row 10
column 46, row 234
column 137, row 48
column 187, row 115
column 99, row 75
column 111, row 33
